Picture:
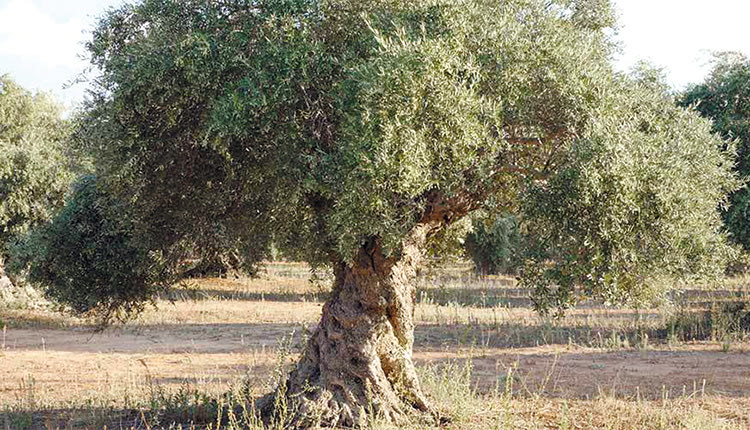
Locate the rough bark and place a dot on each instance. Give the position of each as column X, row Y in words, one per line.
column 6, row 286
column 358, row 362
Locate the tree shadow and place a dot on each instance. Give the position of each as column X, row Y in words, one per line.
column 474, row 296
column 74, row 418
column 517, row 335
column 201, row 412
column 198, row 294
column 487, row 295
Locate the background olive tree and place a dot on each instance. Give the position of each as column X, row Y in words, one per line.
column 724, row 98
column 352, row 133
column 495, row 244
column 35, row 165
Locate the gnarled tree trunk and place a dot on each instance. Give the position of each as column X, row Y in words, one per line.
column 358, row 362
column 6, row 286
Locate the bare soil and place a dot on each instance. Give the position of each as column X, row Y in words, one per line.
column 221, row 332
column 215, row 354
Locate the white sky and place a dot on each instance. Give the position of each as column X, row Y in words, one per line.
column 679, row 35
column 41, row 41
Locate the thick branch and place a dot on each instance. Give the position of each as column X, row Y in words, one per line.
column 440, row 210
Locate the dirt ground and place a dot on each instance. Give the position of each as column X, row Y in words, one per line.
column 59, row 362
column 218, row 333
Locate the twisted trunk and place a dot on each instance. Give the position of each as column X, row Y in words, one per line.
column 358, row 362
column 7, row 290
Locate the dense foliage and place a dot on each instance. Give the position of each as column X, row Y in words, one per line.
column 87, row 259
column 309, row 121
column 724, row 98
column 495, row 244
column 327, row 124
column 34, row 166
column 635, row 204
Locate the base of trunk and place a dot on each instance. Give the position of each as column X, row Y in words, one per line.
column 347, row 386
column 357, row 365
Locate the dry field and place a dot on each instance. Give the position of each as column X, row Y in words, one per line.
column 486, row 359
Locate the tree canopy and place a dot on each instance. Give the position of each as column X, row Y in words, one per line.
column 724, row 98
column 321, row 124
column 86, row 258
column 35, row 168
column 636, row 206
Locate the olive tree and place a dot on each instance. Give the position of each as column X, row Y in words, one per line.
column 724, row 98
column 352, row 133
column 35, row 169
column 495, row 244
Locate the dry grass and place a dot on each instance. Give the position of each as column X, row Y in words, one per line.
column 486, row 359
